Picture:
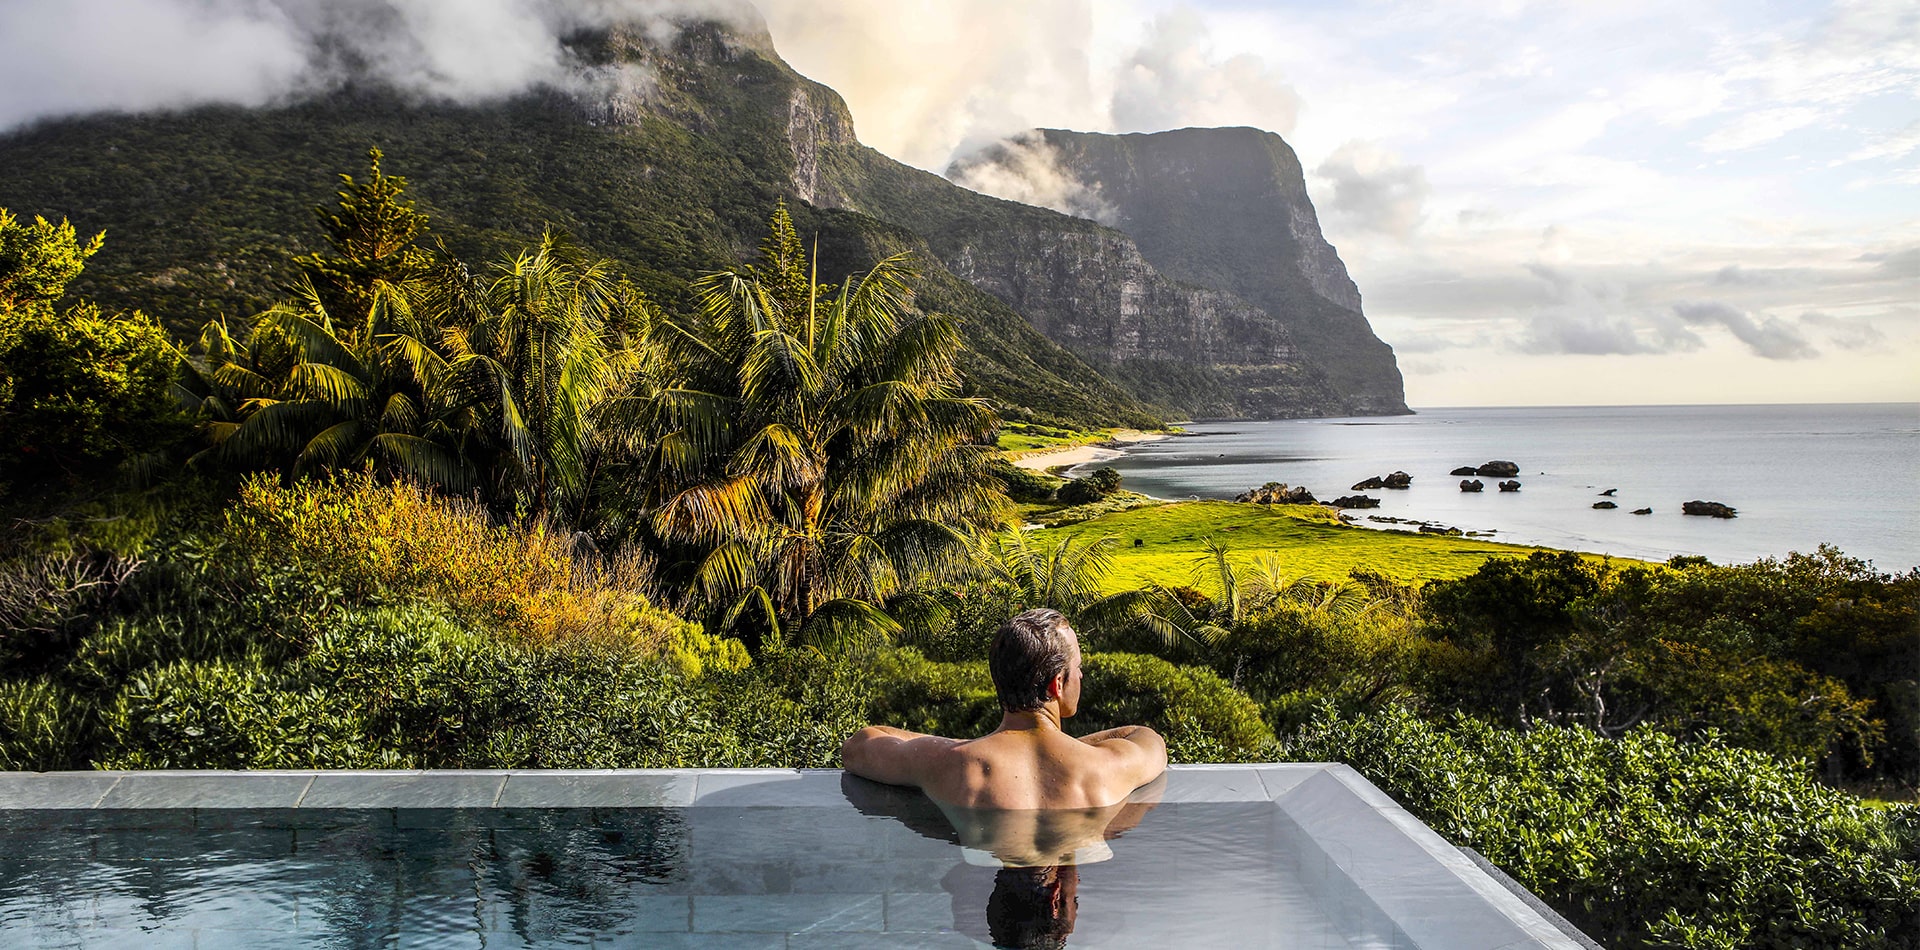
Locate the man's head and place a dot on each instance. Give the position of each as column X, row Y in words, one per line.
column 1035, row 657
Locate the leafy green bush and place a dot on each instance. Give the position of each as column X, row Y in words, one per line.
column 1649, row 841
column 1202, row 718
column 1090, row 487
column 364, row 542
column 411, row 687
column 81, row 391
column 1811, row 657
column 41, row 726
column 1024, row 485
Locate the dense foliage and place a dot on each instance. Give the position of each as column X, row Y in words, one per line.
column 1644, row 840
column 523, row 516
column 1090, row 487
column 82, row 392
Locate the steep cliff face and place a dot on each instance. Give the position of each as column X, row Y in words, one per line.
column 1228, row 209
column 666, row 155
column 1196, row 350
column 1172, row 344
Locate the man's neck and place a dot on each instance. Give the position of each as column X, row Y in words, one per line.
column 1044, row 719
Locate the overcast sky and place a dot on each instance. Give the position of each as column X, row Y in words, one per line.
column 1635, row 201
column 1542, row 203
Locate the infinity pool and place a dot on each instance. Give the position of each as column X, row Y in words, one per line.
column 1276, row 856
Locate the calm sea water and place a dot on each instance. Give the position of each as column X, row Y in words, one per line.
column 1799, row 475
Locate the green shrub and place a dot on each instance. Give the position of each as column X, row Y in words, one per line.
column 948, row 699
column 1649, row 841
column 41, row 726
column 1090, row 487
column 1202, row 718
column 411, row 687
column 354, row 541
column 1024, row 485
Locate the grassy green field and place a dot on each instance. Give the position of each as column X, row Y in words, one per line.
column 1307, row 536
column 1017, row 440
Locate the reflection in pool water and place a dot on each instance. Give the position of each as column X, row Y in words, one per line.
column 809, row 861
column 1019, row 880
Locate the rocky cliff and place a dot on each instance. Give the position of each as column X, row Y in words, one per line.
column 666, row 155
column 1226, row 209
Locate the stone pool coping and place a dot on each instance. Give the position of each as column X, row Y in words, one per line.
column 1433, row 892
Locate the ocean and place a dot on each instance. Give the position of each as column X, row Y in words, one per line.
column 1799, row 475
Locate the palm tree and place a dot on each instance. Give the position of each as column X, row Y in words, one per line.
column 531, row 353
column 304, row 392
column 448, row 379
column 811, row 458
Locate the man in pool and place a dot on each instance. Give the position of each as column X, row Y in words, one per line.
column 1029, row 762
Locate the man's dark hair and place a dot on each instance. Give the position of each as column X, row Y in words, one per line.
column 1033, row 908
column 1028, row 652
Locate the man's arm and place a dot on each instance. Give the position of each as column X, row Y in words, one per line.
column 893, row 756
column 1137, row 754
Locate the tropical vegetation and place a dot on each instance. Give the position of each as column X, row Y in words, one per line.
column 426, row 513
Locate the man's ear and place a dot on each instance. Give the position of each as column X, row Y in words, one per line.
column 1057, row 686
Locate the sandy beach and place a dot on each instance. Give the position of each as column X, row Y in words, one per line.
column 1040, row 460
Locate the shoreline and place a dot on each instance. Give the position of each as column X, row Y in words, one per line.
column 1068, row 456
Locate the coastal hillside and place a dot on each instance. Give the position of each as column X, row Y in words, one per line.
column 664, row 153
column 1228, row 209
column 665, row 158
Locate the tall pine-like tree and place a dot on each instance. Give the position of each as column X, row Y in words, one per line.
column 784, row 270
column 374, row 233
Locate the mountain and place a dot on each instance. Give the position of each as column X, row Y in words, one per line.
column 1228, row 208
column 666, row 154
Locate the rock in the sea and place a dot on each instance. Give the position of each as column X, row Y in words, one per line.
column 1398, row 480
column 1498, row 469
column 1440, row 529
column 1509, row 485
column 1711, row 509
column 1464, row 470
column 1277, row 493
column 1604, row 505
column 1355, row 501
column 1370, row 484
column 1609, row 492
column 1472, row 484
column 1643, row 511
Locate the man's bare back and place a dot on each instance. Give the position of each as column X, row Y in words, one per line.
column 1027, row 763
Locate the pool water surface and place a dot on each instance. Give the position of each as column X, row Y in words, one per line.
column 811, row 860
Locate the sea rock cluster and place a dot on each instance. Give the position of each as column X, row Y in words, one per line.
column 1398, row 480
column 1355, row 501
column 1710, row 509
column 1277, row 493
column 1472, row 484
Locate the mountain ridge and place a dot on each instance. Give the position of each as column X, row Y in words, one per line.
column 1227, row 208
column 667, row 158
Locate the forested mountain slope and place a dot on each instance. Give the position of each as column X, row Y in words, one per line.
column 665, row 155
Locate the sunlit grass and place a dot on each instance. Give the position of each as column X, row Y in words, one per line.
column 1018, row 439
column 1309, row 537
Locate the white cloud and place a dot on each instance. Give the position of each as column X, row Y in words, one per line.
column 1890, row 145
column 1176, row 79
column 1027, row 169
column 1848, row 333
column 1374, row 189
column 1757, row 128
column 59, row 57
column 1768, row 336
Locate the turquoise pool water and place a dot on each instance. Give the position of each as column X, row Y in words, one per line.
column 1219, row 858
